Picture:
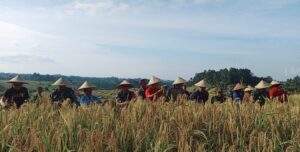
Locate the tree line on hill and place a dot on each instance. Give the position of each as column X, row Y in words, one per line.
column 224, row 79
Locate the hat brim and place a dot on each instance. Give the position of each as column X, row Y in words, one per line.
column 93, row 87
column 21, row 82
column 152, row 84
column 125, row 86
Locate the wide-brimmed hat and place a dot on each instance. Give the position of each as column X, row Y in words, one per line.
column 262, row 85
column 249, row 88
column 86, row 85
column 201, row 84
column 238, row 86
column 17, row 79
column 179, row 80
column 61, row 82
column 273, row 83
column 125, row 83
column 153, row 80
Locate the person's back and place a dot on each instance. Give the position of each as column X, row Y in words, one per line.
column 276, row 92
column 237, row 95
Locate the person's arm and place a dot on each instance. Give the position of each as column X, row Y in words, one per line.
column 156, row 93
column 272, row 94
column 206, row 96
column 134, row 96
column 212, row 101
column 7, row 95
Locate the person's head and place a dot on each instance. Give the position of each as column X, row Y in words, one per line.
column 201, row 85
column 155, row 85
column 201, row 88
column 262, row 86
column 17, row 86
column 61, row 86
column 179, row 85
column 263, row 90
column 61, row 83
column 125, row 85
column 143, row 83
column 220, row 93
column 39, row 89
column 238, row 91
column 17, row 82
column 88, row 91
column 124, row 88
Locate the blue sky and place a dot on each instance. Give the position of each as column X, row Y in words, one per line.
column 138, row 38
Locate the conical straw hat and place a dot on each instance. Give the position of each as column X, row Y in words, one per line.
column 61, row 82
column 86, row 85
column 201, row 84
column 275, row 83
column 125, row 83
column 262, row 85
column 153, row 80
column 249, row 88
column 179, row 80
column 17, row 79
column 238, row 86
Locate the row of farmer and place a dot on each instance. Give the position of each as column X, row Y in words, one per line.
column 151, row 91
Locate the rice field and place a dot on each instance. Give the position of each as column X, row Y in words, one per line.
column 159, row 127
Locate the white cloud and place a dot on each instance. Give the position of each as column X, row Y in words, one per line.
column 95, row 7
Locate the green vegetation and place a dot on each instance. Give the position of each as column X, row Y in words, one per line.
column 182, row 126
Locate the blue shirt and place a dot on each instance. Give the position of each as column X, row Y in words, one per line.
column 238, row 96
column 89, row 100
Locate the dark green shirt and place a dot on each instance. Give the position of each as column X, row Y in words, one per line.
column 174, row 93
column 59, row 95
column 218, row 99
column 17, row 96
column 199, row 96
column 260, row 96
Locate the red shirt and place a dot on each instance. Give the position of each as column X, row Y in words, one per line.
column 150, row 91
column 276, row 91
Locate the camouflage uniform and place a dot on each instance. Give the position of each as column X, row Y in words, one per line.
column 199, row 96
column 174, row 93
column 260, row 96
column 18, row 97
column 125, row 96
column 218, row 99
column 61, row 94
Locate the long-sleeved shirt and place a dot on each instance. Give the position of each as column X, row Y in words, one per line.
column 88, row 100
column 199, row 96
column 17, row 96
column 125, row 96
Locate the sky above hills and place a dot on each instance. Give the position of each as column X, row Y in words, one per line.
column 138, row 38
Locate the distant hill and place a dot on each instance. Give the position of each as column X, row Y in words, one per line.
column 228, row 77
